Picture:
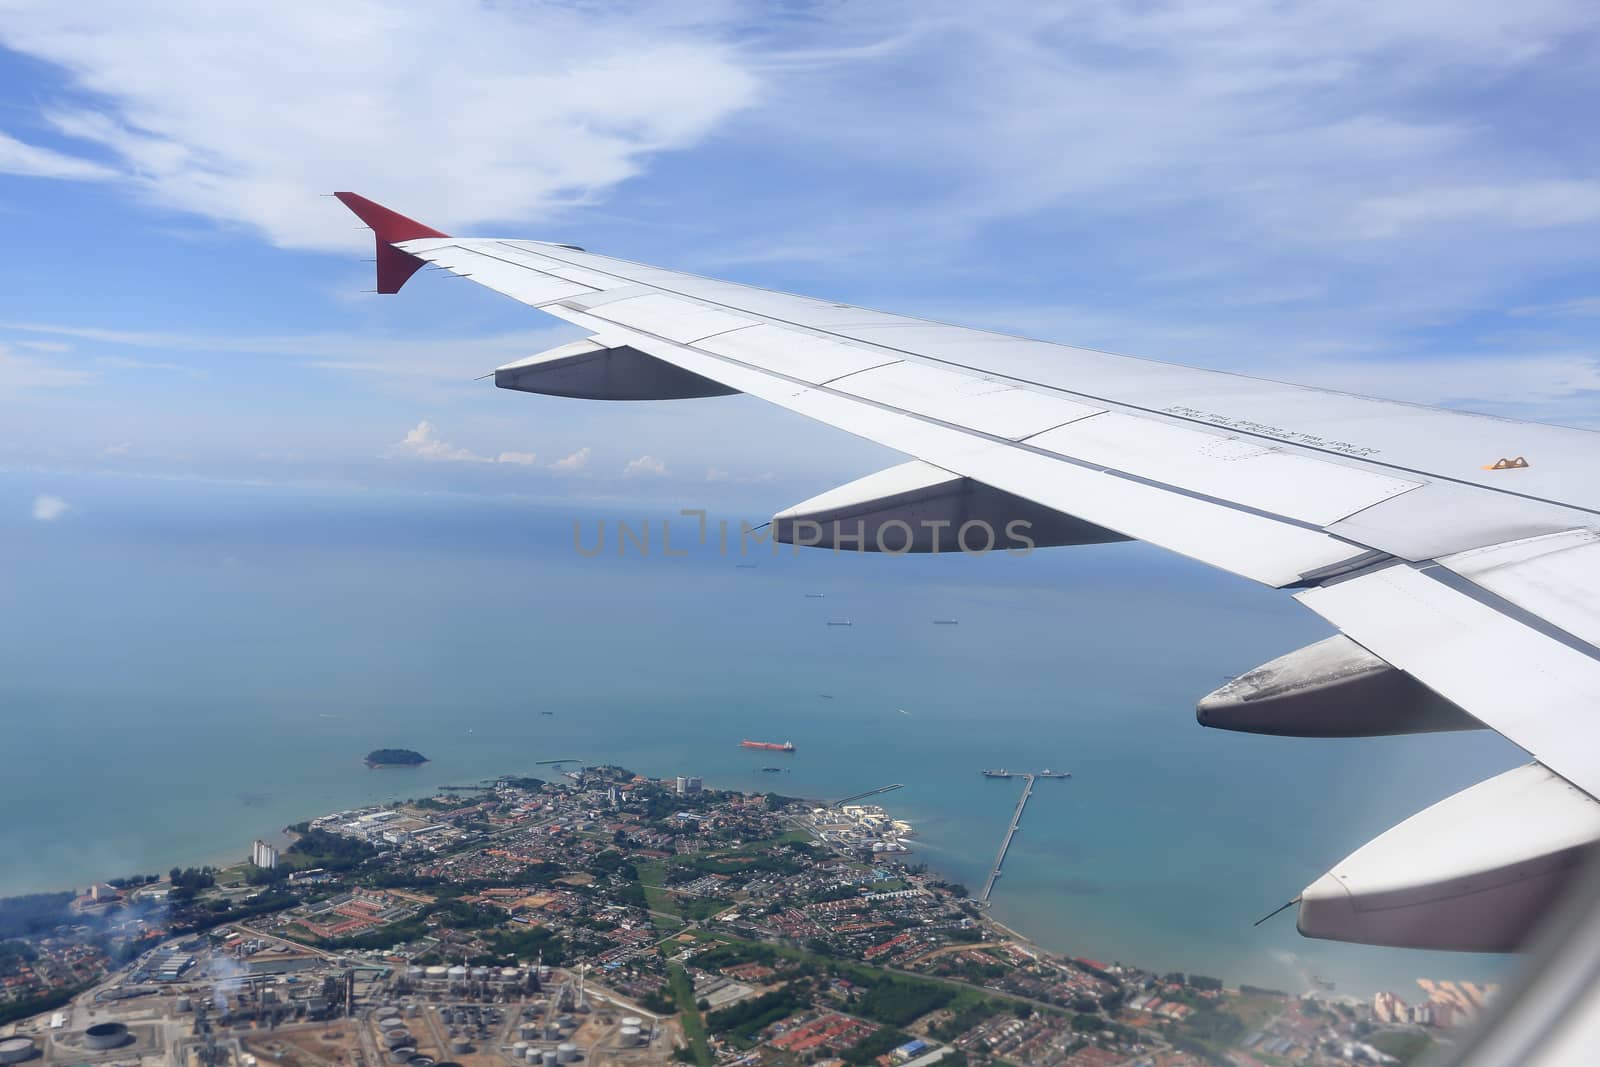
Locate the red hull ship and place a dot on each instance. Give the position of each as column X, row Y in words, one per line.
column 787, row 746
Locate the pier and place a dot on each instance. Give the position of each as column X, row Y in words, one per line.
column 869, row 793
column 1028, row 778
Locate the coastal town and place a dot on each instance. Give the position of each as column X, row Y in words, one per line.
column 602, row 917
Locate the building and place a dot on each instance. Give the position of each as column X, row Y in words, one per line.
column 263, row 855
column 1389, row 1008
column 689, row 784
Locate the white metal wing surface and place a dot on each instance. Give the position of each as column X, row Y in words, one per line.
column 1459, row 554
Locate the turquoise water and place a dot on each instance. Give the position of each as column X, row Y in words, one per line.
column 190, row 667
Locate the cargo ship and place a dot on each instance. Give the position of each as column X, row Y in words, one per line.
column 1001, row 773
column 773, row 746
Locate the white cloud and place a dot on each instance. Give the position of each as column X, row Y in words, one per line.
column 19, row 373
column 1583, row 307
column 525, row 459
column 120, row 449
column 441, row 360
column 422, row 441
column 577, row 461
column 246, row 119
column 644, row 465
column 34, row 162
column 1525, row 205
column 48, row 508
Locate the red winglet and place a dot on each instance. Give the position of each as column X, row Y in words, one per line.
column 394, row 265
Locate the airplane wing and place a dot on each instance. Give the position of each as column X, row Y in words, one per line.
column 1458, row 554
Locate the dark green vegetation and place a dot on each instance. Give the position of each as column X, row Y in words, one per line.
column 21, row 1009
column 872, row 1046
column 319, row 848
column 395, row 757
column 1404, row 1045
column 749, row 1017
column 33, row 914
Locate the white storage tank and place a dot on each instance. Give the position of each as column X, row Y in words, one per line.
column 17, row 1049
column 631, row 1036
column 633, row 1021
column 566, row 1052
column 458, row 973
column 534, row 1056
column 438, row 970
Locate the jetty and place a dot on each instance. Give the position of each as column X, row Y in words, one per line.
column 1028, row 778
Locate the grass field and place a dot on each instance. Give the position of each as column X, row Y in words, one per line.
column 694, row 1026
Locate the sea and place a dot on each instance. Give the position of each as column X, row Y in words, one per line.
column 191, row 665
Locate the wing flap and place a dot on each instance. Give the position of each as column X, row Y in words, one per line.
column 1556, row 577
column 1537, row 691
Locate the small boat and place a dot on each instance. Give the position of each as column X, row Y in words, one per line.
column 947, row 622
column 815, row 596
column 840, row 622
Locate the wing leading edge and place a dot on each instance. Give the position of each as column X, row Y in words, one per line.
column 1462, row 580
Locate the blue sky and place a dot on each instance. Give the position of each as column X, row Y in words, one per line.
column 1397, row 199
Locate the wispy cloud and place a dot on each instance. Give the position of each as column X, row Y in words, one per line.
column 47, row 508
column 644, row 466
column 246, row 119
column 20, row 373
column 16, row 157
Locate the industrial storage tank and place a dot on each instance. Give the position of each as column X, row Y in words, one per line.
column 17, row 1049
column 460, row 1044
column 533, row 1055
column 519, row 1049
column 397, row 1037
column 402, row 1054
column 530, row 1031
column 388, row 1011
column 550, row 1058
column 551, row 1033
column 184, row 1004
column 566, row 1052
column 480, row 973
column 420, row 1061
column 631, row 1036
column 415, row 971
column 438, row 970
column 106, row 1035
column 391, row 1022
column 510, row 973
column 457, row 973
column 634, row 1021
